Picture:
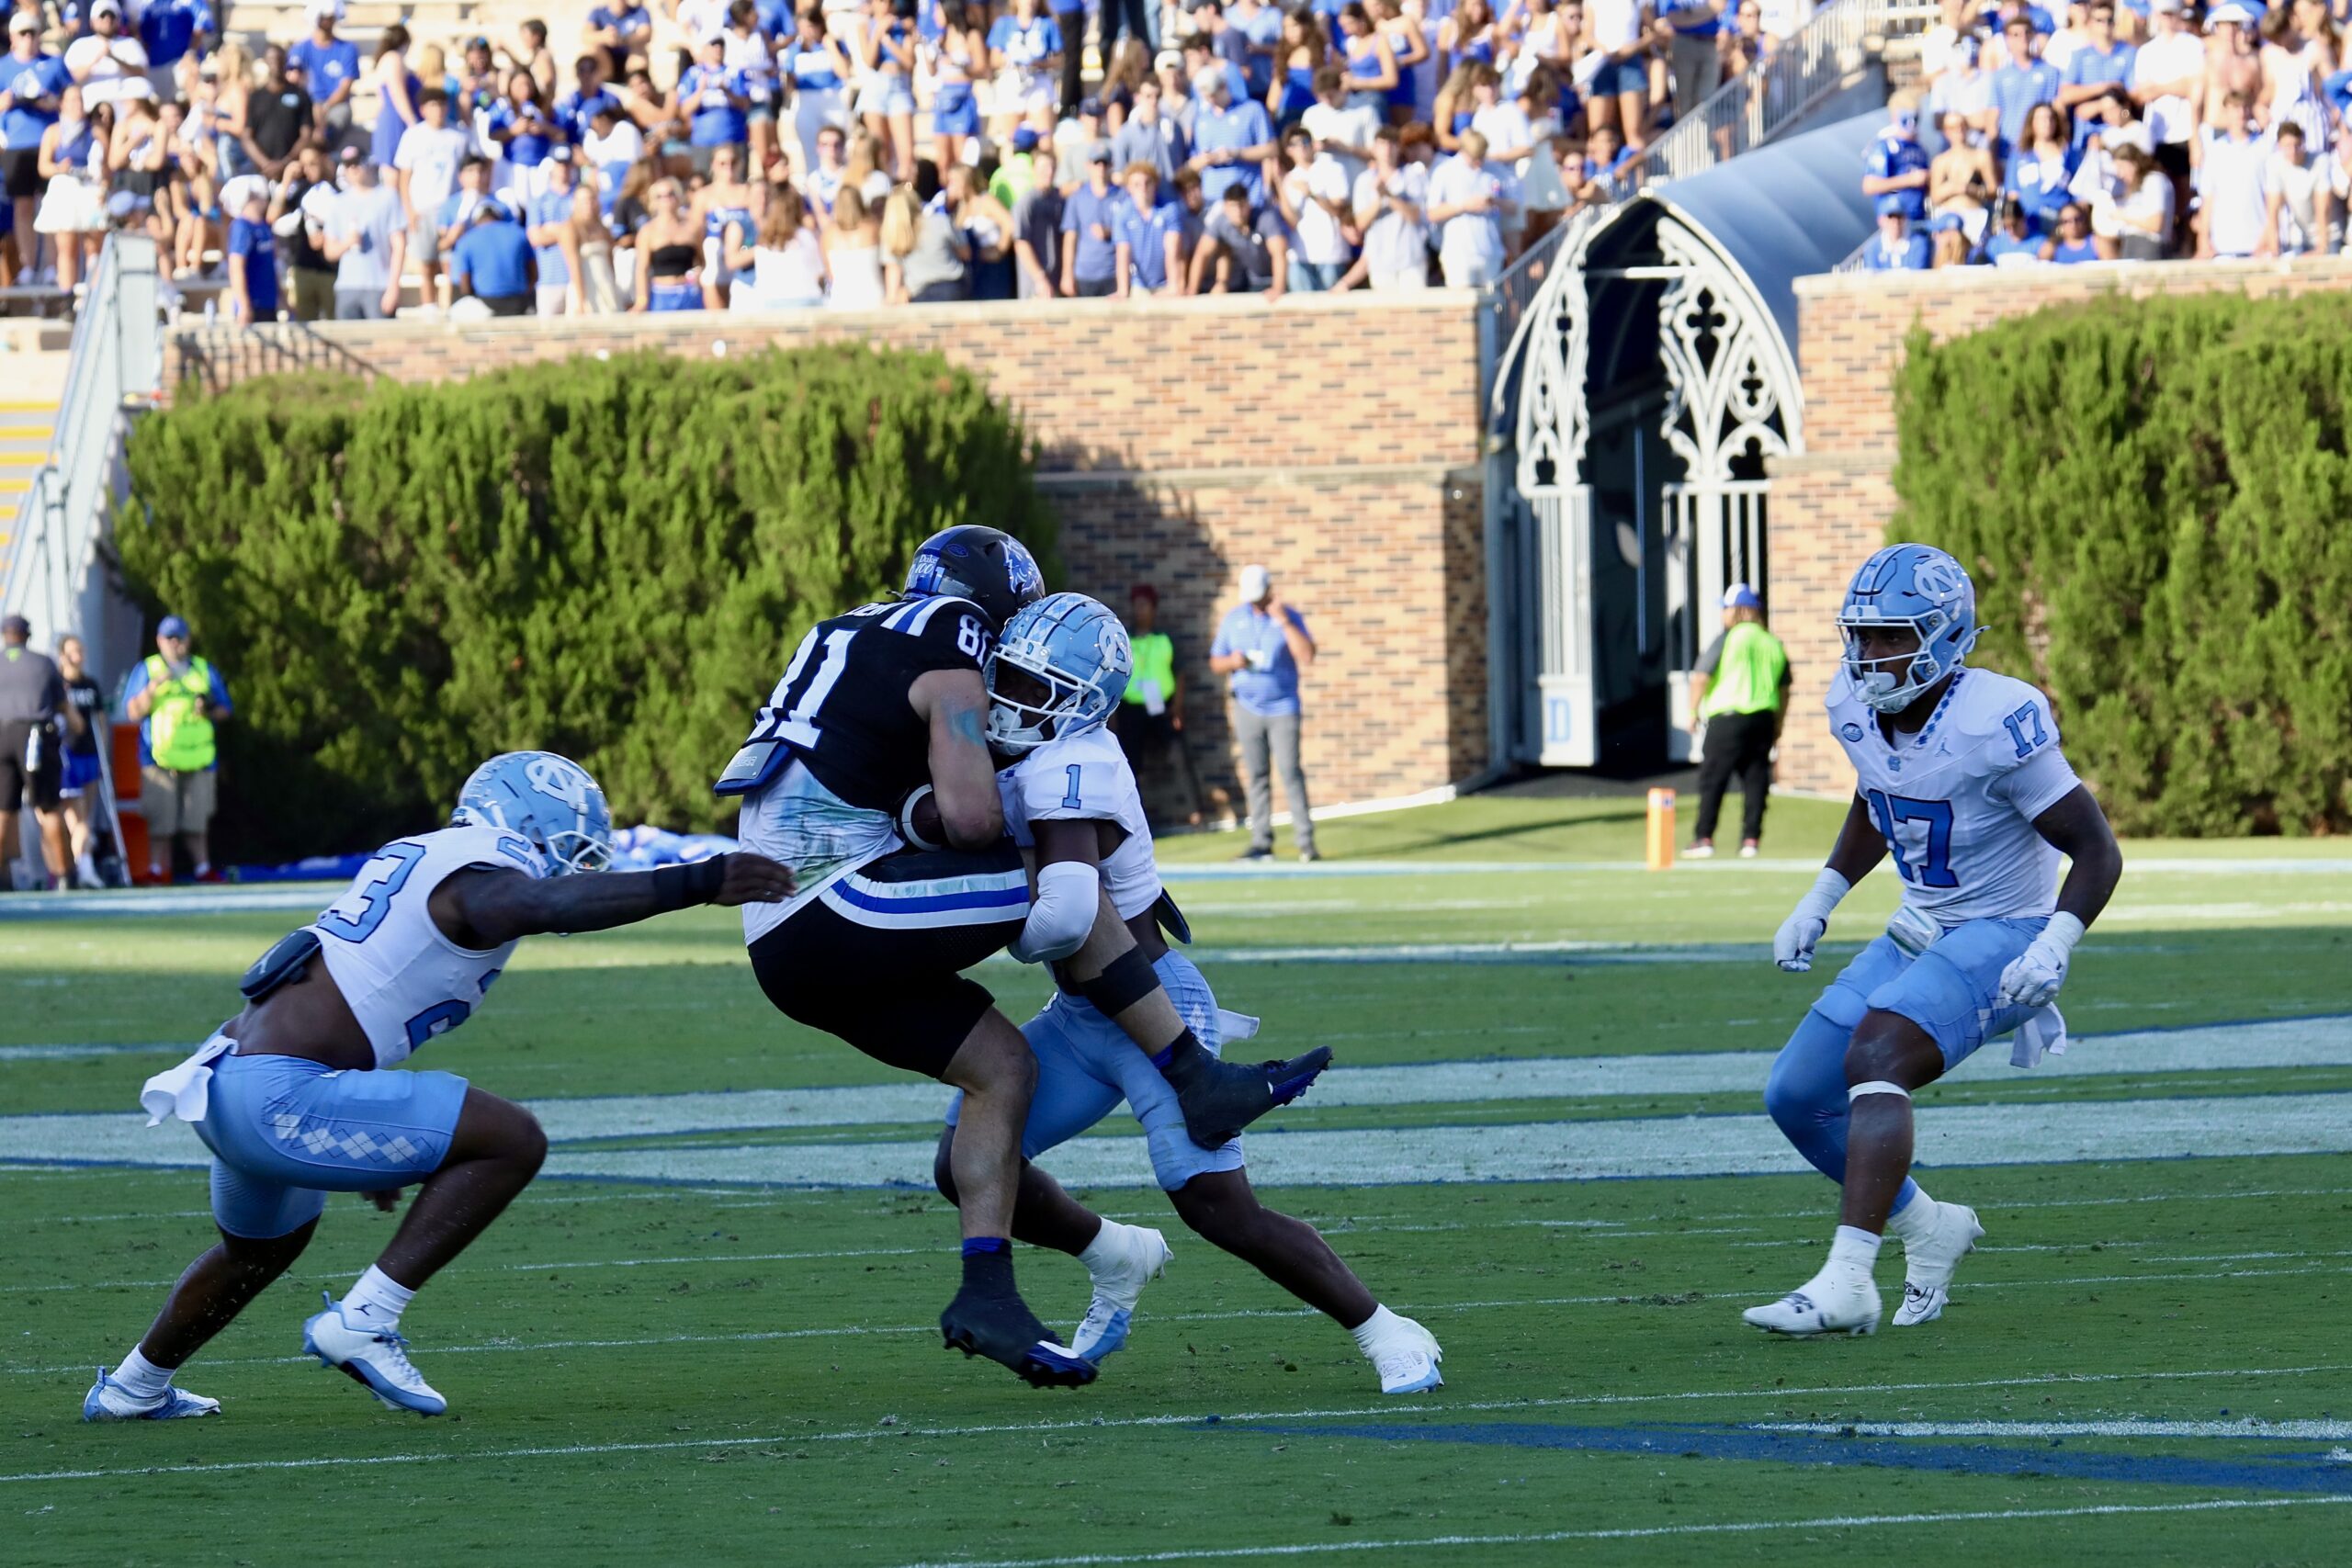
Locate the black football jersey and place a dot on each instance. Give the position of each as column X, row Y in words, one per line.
column 842, row 708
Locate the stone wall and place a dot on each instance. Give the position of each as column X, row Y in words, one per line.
column 1831, row 506
column 1334, row 438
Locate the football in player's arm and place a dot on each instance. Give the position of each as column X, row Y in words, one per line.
column 1961, row 782
column 293, row 1098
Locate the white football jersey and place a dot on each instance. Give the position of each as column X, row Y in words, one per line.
column 1086, row 778
column 405, row 981
column 1957, row 801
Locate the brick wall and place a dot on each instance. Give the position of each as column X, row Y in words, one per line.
column 1831, row 505
column 1334, row 439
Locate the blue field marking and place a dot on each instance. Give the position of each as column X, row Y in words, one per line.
column 2293, row 1470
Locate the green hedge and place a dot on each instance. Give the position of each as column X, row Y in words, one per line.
column 607, row 559
column 2155, row 500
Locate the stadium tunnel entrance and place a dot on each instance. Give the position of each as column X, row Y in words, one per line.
column 1652, row 377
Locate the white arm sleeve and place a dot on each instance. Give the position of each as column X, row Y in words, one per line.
column 1061, row 915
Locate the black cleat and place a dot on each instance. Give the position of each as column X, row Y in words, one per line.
column 1002, row 1328
column 1219, row 1099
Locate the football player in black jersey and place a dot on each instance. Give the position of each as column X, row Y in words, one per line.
column 869, row 772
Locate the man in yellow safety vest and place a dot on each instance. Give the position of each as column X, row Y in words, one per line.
column 178, row 699
column 1150, row 720
column 1740, row 692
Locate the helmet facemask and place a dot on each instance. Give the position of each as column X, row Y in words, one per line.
column 1031, row 702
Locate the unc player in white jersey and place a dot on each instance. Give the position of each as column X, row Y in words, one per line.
column 1071, row 802
column 1960, row 777
column 292, row 1097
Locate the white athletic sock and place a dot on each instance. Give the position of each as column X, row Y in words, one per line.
column 1108, row 1250
column 141, row 1378
column 1914, row 1220
column 377, row 1301
column 1374, row 1329
column 1854, row 1251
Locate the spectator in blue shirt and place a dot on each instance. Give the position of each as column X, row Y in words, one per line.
column 521, row 124
column 550, row 215
column 327, row 68
column 494, row 262
column 1694, row 54
column 620, row 30
column 1091, row 224
column 170, row 30
column 1150, row 137
column 2070, row 243
column 1897, row 247
column 1895, row 170
column 575, row 112
column 719, row 102
column 2017, row 87
column 29, row 98
column 2014, row 242
column 2042, row 167
column 1230, row 141
column 1151, row 235
column 253, row 259
column 2098, row 90
column 1261, row 645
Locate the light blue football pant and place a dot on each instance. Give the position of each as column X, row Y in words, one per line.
column 1086, row 1065
column 1948, row 991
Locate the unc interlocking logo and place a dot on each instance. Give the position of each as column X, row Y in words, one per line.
column 1937, row 580
column 564, row 781
column 1111, row 650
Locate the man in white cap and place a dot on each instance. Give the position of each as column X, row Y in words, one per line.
column 1740, row 692
column 106, row 57
column 327, row 67
column 1261, row 645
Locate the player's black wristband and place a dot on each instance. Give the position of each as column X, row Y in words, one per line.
column 676, row 886
column 1125, row 981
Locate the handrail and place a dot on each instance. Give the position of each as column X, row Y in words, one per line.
column 115, row 358
column 1800, row 73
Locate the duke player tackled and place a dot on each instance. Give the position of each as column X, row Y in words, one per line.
column 868, row 771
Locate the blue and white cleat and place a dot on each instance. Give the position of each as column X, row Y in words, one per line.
column 375, row 1358
column 1143, row 1257
column 110, row 1401
column 1406, row 1359
column 1840, row 1303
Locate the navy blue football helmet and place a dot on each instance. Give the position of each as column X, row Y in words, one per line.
column 987, row 566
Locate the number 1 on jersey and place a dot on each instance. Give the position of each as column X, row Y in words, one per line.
column 1070, row 797
column 796, row 726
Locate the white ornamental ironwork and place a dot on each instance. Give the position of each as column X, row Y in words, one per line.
column 1554, row 422
column 1731, row 386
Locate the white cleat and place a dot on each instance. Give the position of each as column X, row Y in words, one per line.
column 1407, row 1360
column 1928, row 1266
column 110, row 1401
column 1117, row 1289
column 1823, row 1305
column 375, row 1358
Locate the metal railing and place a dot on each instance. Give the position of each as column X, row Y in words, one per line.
column 53, row 577
column 1800, row 73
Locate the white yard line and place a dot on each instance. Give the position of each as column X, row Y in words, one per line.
column 2294, row 1431
column 2281, row 1044
column 1719, row 1297
column 1101, row 1423
column 1630, row 1532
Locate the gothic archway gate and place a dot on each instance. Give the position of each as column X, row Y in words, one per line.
column 1647, row 317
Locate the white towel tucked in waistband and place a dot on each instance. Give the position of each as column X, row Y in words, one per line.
column 2043, row 1034
column 1233, row 1026
column 184, row 1092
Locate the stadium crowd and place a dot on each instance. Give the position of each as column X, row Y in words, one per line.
column 739, row 153
column 2138, row 131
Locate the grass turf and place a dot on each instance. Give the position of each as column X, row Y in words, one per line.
column 749, row 1374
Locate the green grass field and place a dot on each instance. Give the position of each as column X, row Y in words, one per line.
column 725, row 1360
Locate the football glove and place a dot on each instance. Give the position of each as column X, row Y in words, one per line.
column 2033, row 977
column 1793, row 944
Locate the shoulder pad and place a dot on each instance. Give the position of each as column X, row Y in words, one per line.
column 2005, row 719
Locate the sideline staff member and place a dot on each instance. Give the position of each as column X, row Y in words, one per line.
column 31, row 694
column 1740, row 692
column 177, row 698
